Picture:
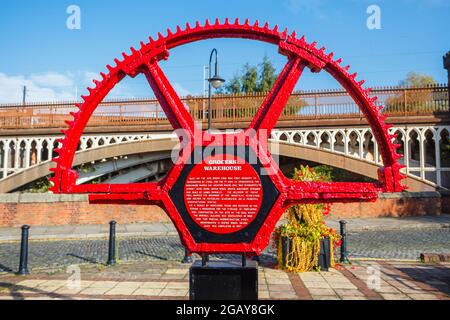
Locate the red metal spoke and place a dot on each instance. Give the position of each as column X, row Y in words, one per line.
column 269, row 112
column 323, row 192
column 175, row 110
column 146, row 192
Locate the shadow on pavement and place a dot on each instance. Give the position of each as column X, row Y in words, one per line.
column 86, row 259
column 434, row 276
column 16, row 294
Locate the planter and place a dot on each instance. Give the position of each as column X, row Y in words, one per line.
column 324, row 260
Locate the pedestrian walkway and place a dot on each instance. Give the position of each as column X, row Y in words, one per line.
column 89, row 231
column 167, row 229
column 364, row 280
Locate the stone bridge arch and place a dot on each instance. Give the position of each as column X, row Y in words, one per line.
column 281, row 148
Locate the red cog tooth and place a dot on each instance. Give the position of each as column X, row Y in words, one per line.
column 84, row 98
column 284, row 33
column 266, row 26
column 142, row 44
column 236, row 22
column 294, row 34
column 78, row 105
column 339, row 61
column 331, row 55
column 188, row 26
column 110, row 69
column 207, row 23
column 151, row 39
column 256, row 25
column 68, row 122
column 247, row 22
column 217, row 22
column 103, row 75
column 361, row 83
column 179, row 29
column 313, row 45
column 275, row 29
column 197, row 24
column 227, row 22
column 160, row 36
column 347, row 68
column 117, row 61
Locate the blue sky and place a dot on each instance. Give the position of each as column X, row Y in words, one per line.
column 56, row 63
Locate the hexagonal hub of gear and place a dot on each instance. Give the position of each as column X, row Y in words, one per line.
column 224, row 197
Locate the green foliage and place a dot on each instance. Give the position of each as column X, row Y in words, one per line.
column 267, row 75
column 234, row 85
column 417, row 80
column 40, row 186
column 249, row 78
column 416, row 100
column 340, row 175
column 253, row 79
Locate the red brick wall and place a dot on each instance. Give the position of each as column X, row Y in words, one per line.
column 388, row 206
column 51, row 210
column 53, row 213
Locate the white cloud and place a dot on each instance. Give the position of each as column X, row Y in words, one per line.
column 180, row 90
column 69, row 86
column 314, row 7
column 89, row 77
column 52, row 79
column 45, row 87
column 40, row 87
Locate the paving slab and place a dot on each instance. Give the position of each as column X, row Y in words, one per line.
column 129, row 281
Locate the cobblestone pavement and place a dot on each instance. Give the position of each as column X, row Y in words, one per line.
column 394, row 244
column 398, row 244
column 364, row 280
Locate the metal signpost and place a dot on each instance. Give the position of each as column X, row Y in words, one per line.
column 225, row 193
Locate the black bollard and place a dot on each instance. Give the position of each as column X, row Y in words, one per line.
column 344, row 257
column 204, row 259
column 256, row 258
column 244, row 260
column 187, row 257
column 112, row 244
column 23, row 265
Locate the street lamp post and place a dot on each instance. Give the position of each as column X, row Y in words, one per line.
column 447, row 66
column 214, row 81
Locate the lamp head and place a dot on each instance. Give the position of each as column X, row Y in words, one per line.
column 216, row 81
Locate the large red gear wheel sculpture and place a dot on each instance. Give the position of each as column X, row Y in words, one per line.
column 300, row 54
